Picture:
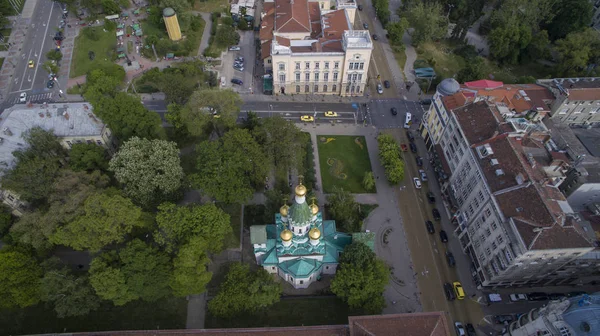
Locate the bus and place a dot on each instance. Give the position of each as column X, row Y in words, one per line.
column 408, row 120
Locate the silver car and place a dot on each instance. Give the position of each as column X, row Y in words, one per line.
column 379, row 89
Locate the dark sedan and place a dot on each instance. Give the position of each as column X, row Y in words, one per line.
column 419, row 161
column 413, row 147
column 430, row 197
column 450, row 259
column 436, row 214
column 386, row 84
column 394, row 111
column 503, row 319
column 430, row 227
column 443, row 236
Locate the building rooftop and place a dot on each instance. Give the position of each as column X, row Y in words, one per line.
column 483, row 84
column 456, row 100
column 65, row 120
column 291, row 16
column 479, row 121
column 587, row 88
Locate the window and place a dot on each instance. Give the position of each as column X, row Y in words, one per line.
column 359, row 77
column 494, row 225
column 297, row 76
column 349, row 77
column 317, row 65
column 307, row 76
column 488, row 251
column 354, row 77
column 476, row 243
column 273, row 268
column 326, row 267
column 99, row 143
column 69, row 143
column 316, row 88
column 482, row 257
column 334, row 88
column 488, row 232
column 297, row 65
column 281, row 67
column 11, row 197
column 347, row 88
column 89, row 142
column 335, row 76
column 325, row 88
column 488, row 212
column 481, row 198
column 361, row 65
column 300, row 231
column 351, row 67
column 297, row 88
column 326, row 65
column 482, row 238
column 326, row 76
column 269, row 61
column 306, row 88
column 494, row 246
column 564, row 331
column 336, row 65
column 316, row 77
column 500, row 239
column 282, row 78
column 307, row 65
column 301, row 282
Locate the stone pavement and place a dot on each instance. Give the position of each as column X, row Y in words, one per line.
column 196, row 311
column 402, row 293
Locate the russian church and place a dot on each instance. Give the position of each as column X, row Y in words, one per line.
column 300, row 246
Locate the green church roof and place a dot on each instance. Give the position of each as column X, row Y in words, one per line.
column 301, row 267
column 258, row 234
column 300, row 213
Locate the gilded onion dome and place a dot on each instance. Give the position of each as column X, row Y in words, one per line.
column 300, row 190
column 314, row 233
column 314, row 209
column 284, row 210
column 286, row 235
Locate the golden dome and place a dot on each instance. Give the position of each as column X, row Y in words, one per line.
column 300, row 190
column 314, row 233
column 314, row 209
column 286, row 235
column 284, row 210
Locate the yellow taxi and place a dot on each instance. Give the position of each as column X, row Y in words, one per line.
column 331, row 114
column 307, row 118
column 458, row 289
column 30, row 64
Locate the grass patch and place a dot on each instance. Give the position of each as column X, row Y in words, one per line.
column 169, row 313
column 6, row 33
column 210, row 6
column 343, row 162
column 440, row 56
column 75, row 89
column 150, row 29
column 235, row 212
column 1, row 62
column 400, row 56
column 290, row 312
column 103, row 48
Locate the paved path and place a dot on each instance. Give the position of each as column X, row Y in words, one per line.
column 205, row 33
column 196, row 311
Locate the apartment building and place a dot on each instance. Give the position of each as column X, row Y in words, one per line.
column 313, row 49
column 510, row 217
column 72, row 123
column 577, row 100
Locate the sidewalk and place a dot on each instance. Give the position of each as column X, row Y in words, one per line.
column 259, row 97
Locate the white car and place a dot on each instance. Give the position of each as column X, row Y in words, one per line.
column 423, row 175
column 518, row 297
column 379, row 89
column 23, row 97
column 460, row 330
column 417, row 182
column 235, row 48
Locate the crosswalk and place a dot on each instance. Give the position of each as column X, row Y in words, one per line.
column 36, row 98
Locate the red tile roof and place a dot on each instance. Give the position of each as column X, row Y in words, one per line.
column 265, row 49
column 507, row 161
column 268, row 22
column 526, row 203
column 282, row 41
column 584, row 94
column 552, row 237
column 483, row 84
column 291, row 16
column 479, row 121
column 456, row 100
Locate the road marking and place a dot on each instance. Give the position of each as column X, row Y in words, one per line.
column 42, row 44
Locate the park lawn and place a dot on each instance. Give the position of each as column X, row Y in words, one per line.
column 150, row 29
column 235, row 212
column 296, row 311
column 440, row 56
column 168, row 313
column 104, row 49
column 343, row 162
column 400, row 56
column 209, row 6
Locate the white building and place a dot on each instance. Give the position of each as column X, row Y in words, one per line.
column 312, row 49
column 71, row 123
column 577, row 100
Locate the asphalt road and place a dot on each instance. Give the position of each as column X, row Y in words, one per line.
column 39, row 40
column 380, row 112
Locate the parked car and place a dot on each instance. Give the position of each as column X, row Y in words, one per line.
column 237, row 81
column 379, row 89
column 23, row 97
column 556, row 296
column 450, row 259
column 50, row 84
column 394, row 111
column 360, row 7
column 430, row 227
column 413, row 147
column 503, row 319
column 239, row 59
column 366, row 26
column 423, row 175
column 375, row 37
column 449, row 291
column 576, row 293
column 470, row 330
column 410, row 136
column 430, row 197
column 426, row 101
column 417, row 182
column 235, row 48
column 419, row 161
column 443, row 236
column 518, row 297
column 537, row 296
column 386, row 84
column 460, row 330
column 436, row 214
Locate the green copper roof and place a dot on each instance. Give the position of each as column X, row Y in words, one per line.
column 258, row 234
column 301, row 267
column 300, row 213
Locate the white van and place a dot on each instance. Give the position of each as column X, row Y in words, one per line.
column 408, row 120
column 223, row 81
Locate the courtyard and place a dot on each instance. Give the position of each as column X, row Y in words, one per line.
column 344, row 161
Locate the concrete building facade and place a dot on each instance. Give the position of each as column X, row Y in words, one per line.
column 577, row 100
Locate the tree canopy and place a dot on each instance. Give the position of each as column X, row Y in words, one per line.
column 84, row 156
column 190, row 275
column 137, row 271
column 281, row 141
column 361, row 278
column 211, row 107
column 570, row 16
column 229, row 169
column 427, row 20
column 389, row 154
column 577, row 51
column 19, row 279
column 244, row 291
column 149, row 170
column 344, row 210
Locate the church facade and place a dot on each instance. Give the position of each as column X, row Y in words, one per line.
column 300, row 246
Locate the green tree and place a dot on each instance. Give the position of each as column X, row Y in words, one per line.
column 87, row 157
column 110, row 7
column 19, row 279
column 108, row 219
column 177, row 224
column 473, row 70
column 70, row 295
column 190, row 275
column 205, row 104
column 6, row 220
column 137, row 271
column 577, row 51
column 50, row 67
column 245, row 291
column 427, row 20
column 571, row 16
column 229, row 169
column 396, row 30
column 389, row 155
column 54, row 55
column 369, row 181
column 361, row 278
column 344, row 210
column 281, row 141
column 382, row 10
column 149, row 170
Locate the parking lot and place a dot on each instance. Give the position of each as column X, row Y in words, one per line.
column 248, row 52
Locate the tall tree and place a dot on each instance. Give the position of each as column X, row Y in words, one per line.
column 177, row 224
column 245, row 291
column 344, row 210
column 428, row 21
column 389, row 154
column 473, row 70
column 19, row 279
column 211, row 107
column 396, row 30
column 149, row 170
column 571, row 16
column 137, row 271
column 108, row 219
column 230, row 168
column 190, row 275
column 577, row 51
column 361, row 279
column 88, row 157
column 70, row 295
column 281, row 141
